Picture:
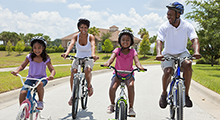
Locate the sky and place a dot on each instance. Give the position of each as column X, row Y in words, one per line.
column 58, row 18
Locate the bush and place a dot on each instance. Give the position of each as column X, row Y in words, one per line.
column 60, row 49
column 2, row 47
column 204, row 61
column 27, row 48
column 50, row 50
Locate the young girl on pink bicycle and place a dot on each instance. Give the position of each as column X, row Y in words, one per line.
column 38, row 60
column 124, row 61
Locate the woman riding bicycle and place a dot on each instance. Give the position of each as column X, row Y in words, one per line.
column 85, row 47
column 175, row 33
column 124, row 61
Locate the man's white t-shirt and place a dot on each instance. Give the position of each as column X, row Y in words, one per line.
column 175, row 39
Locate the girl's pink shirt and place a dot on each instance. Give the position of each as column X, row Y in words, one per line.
column 124, row 62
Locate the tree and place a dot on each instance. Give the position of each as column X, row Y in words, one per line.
column 127, row 28
column 94, row 31
column 20, row 46
column 153, row 39
column 28, row 37
column 145, row 45
column 107, row 47
column 105, row 36
column 142, row 32
column 8, row 47
column 207, row 14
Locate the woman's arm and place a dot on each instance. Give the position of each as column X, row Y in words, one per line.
column 73, row 41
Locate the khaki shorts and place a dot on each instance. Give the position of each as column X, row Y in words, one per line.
column 170, row 63
column 89, row 63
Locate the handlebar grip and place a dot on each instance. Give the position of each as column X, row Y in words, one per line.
column 102, row 66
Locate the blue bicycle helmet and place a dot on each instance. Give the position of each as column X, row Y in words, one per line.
column 127, row 32
column 38, row 38
column 177, row 7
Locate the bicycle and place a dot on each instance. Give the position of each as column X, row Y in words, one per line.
column 121, row 104
column 80, row 90
column 176, row 95
column 28, row 110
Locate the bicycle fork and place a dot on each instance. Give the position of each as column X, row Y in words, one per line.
column 175, row 91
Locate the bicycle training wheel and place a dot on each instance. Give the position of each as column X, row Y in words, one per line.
column 180, row 102
column 84, row 97
column 122, row 111
column 23, row 112
column 75, row 98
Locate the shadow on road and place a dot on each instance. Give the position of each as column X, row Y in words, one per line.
column 80, row 115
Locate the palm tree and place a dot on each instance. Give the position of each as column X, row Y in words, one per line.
column 94, row 31
column 143, row 32
column 127, row 28
column 28, row 37
column 105, row 36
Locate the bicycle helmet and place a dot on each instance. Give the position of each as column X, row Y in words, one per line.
column 177, row 7
column 125, row 32
column 38, row 38
column 83, row 21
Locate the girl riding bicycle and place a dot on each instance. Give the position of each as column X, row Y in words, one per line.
column 38, row 59
column 85, row 47
column 124, row 61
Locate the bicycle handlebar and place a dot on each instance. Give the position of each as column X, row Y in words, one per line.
column 123, row 71
column 178, row 58
column 74, row 57
column 29, row 86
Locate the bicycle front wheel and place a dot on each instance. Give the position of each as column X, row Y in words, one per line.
column 84, row 97
column 75, row 98
column 122, row 111
column 23, row 112
column 180, row 102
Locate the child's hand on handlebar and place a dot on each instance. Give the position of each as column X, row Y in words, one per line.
column 50, row 77
column 14, row 73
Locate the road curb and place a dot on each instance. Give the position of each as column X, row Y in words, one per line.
column 206, row 93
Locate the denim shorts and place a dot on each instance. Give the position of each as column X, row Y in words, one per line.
column 114, row 75
column 31, row 82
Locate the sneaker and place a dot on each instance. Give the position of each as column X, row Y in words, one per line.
column 110, row 109
column 163, row 101
column 131, row 112
column 188, row 101
column 40, row 105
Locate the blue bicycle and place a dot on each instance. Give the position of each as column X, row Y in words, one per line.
column 28, row 110
column 176, row 95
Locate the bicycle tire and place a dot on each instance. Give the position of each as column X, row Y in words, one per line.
column 84, row 98
column 122, row 111
column 75, row 97
column 23, row 112
column 180, row 101
column 172, row 107
column 116, row 111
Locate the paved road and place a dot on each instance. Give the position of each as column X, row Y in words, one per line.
column 147, row 88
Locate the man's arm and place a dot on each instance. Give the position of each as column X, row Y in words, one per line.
column 196, row 47
column 159, row 49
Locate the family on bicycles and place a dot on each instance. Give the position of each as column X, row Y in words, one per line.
column 174, row 34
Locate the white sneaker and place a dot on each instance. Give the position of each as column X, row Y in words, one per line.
column 131, row 112
column 110, row 109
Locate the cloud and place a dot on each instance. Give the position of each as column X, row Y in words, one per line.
column 62, row 1
column 48, row 23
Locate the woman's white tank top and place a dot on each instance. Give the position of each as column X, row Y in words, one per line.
column 83, row 51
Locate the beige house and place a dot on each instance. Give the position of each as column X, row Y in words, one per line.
column 114, row 38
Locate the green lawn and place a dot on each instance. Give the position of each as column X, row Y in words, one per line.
column 207, row 76
column 204, row 74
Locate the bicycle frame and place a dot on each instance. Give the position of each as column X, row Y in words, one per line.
column 30, row 99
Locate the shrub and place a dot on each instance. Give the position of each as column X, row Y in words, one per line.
column 2, row 47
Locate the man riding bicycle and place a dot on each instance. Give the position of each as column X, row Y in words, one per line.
column 174, row 34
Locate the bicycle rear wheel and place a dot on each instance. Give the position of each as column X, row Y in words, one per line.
column 122, row 111
column 75, row 97
column 180, row 102
column 84, row 97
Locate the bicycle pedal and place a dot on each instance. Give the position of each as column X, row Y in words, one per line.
column 131, row 115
